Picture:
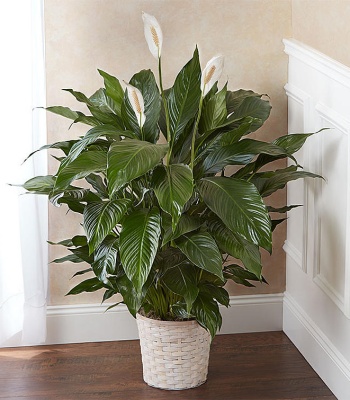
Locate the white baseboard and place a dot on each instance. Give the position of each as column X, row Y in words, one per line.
column 317, row 349
column 90, row 323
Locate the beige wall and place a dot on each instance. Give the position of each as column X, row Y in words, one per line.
column 83, row 35
column 324, row 25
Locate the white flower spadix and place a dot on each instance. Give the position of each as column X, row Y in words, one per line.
column 211, row 73
column 153, row 34
column 136, row 100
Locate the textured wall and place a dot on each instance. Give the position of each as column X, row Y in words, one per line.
column 324, row 25
column 83, row 35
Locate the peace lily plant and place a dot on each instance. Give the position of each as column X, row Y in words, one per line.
column 167, row 225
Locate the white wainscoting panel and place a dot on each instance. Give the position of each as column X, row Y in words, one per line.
column 317, row 299
column 91, row 322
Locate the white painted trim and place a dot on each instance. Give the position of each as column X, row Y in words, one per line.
column 90, row 322
column 318, row 61
column 294, row 253
column 317, row 349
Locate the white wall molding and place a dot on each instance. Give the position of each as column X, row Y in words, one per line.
column 91, row 323
column 318, row 61
column 317, row 349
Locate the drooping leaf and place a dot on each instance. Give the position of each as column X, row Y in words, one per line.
column 207, row 313
column 240, row 275
column 238, row 153
column 240, row 206
column 105, row 258
column 218, row 293
column 89, row 285
column 269, row 182
column 70, row 258
column 232, row 243
column 173, row 186
column 78, row 240
column 202, row 250
column 40, row 184
column 183, row 98
column 101, row 217
column 85, row 164
column 182, row 280
column 275, row 222
column 130, row 159
column 235, row 98
column 79, row 96
column 64, row 146
column 139, row 244
column 63, row 111
column 282, row 210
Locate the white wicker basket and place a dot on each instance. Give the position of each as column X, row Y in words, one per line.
column 175, row 355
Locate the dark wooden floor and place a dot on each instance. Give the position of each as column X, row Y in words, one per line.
column 244, row 366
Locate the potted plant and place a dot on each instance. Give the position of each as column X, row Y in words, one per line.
column 161, row 220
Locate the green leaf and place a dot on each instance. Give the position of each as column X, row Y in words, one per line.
column 252, row 106
column 83, row 253
column 130, row 159
column 89, row 285
column 182, row 280
column 64, row 146
column 183, row 98
column 79, row 96
column 282, row 210
column 40, row 184
column 173, row 186
column 98, row 184
column 101, row 217
column 63, row 111
column 218, row 293
column 207, row 313
column 70, row 257
column 214, row 111
column 238, row 153
column 73, row 195
column 139, row 244
column 78, row 240
column 269, row 182
column 202, row 250
column 85, row 164
column 146, row 83
column 240, row 275
column 104, row 103
column 114, row 90
column 105, row 258
column 186, row 224
column 132, row 297
column 235, row 245
column 240, row 206
column 275, row 222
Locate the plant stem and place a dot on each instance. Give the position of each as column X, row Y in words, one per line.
column 165, row 104
column 195, row 131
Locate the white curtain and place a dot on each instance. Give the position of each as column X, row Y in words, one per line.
column 23, row 228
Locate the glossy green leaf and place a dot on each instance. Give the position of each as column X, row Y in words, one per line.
column 214, row 111
column 114, row 90
column 182, row 280
column 282, row 210
column 63, row 111
column 89, row 285
column 216, row 292
column 202, row 250
column 232, row 243
column 146, row 83
column 186, row 224
column 173, row 186
column 139, row 244
column 70, row 258
column 240, row 206
column 79, row 96
column 207, row 313
column 103, row 102
column 183, row 98
column 130, row 159
column 269, row 182
column 101, row 217
column 241, row 152
column 105, row 258
column 64, row 146
column 240, row 275
column 85, row 164
column 40, row 184
column 78, row 240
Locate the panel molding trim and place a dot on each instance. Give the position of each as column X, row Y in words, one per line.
column 90, row 322
column 317, row 349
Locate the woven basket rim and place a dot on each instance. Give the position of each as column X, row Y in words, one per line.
column 167, row 323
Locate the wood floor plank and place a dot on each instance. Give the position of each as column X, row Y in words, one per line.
column 254, row 366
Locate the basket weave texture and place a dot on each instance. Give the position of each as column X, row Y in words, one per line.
column 175, row 355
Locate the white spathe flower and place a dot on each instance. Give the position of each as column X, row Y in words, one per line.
column 136, row 100
column 211, row 73
column 153, row 34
